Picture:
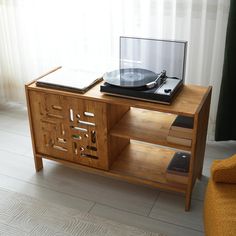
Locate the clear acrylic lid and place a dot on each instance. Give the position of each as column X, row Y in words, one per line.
column 153, row 54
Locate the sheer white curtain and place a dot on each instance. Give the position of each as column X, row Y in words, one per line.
column 37, row 35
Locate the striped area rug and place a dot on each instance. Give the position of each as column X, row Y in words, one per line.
column 22, row 215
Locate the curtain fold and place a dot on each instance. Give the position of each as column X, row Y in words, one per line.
column 226, row 115
column 36, row 36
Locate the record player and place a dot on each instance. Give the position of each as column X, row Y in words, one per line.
column 150, row 69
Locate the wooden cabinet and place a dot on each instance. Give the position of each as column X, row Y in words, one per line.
column 69, row 128
column 117, row 137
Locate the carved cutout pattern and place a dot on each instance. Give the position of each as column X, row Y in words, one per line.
column 67, row 128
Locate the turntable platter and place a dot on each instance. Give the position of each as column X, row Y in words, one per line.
column 130, row 77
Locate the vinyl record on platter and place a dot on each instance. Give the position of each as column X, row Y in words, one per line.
column 130, row 77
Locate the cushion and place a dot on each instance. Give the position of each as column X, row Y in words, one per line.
column 224, row 171
column 220, row 209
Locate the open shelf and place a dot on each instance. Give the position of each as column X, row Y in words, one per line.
column 147, row 126
column 146, row 163
column 130, row 135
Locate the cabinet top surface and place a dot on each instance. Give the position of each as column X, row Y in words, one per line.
column 187, row 102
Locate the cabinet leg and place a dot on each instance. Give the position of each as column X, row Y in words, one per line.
column 200, row 173
column 187, row 204
column 38, row 162
column 200, row 176
column 187, row 201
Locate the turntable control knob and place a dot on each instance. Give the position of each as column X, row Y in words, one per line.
column 167, row 90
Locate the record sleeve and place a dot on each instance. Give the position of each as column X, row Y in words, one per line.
column 70, row 79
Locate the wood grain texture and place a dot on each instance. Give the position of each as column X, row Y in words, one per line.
column 146, row 162
column 38, row 162
column 116, row 200
column 198, row 144
column 148, row 126
column 116, row 122
column 61, row 128
column 180, row 134
column 144, row 125
column 116, row 145
column 186, row 103
column 115, row 113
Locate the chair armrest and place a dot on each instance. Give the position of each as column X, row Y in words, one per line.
column 224, row 171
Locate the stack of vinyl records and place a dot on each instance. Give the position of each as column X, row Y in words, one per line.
column 178, row 168
column 181, row 131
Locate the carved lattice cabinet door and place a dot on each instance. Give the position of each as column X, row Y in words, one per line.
column 70, row 128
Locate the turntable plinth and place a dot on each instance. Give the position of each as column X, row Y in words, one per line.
column 118, row 137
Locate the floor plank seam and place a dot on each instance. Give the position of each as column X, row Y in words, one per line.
column 158, row 220
column 92, row 207
column 167, row 222
column 143, row 212
column 95, row 202
column 41, row 186
column 75, row 196
column 119, row 209
column 157, row 197
column 51, row 163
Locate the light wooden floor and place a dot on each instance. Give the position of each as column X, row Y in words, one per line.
column 139, row 206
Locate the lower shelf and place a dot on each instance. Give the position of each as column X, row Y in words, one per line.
column 138, row 163
column 146, row 163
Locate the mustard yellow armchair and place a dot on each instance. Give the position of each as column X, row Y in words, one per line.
column 220, row 199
